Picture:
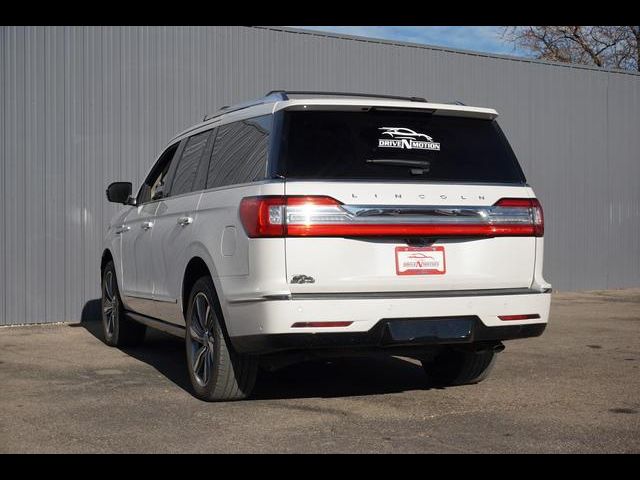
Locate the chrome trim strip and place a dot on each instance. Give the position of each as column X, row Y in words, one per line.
column 143, row 296
column 391, row 295
column 423, row 294
column 260, row 298
column 164, row 299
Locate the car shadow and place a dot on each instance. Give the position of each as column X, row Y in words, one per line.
column 341, row 377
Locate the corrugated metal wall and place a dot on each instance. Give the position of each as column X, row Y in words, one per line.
column 83, row 106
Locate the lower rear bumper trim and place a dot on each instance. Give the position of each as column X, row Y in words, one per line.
column 390, row 333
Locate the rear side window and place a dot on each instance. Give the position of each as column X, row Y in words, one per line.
column 395, row 145
column 240, row 152
column 184, row 180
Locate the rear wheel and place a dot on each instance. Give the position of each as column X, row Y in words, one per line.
column 118, row 329
column 459, row 367
column 217, row 373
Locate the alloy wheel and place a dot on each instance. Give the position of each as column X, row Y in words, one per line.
column 109, row 303
column 202, row 339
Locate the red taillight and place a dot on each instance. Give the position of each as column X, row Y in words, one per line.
column 259, row 216
column 265, row 216
column 321, row 216
column 535, row 209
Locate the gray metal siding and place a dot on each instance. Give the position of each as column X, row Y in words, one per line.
column 83, row 106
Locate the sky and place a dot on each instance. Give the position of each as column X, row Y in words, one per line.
column 485, row 39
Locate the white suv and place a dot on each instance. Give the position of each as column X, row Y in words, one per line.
column 310, row 224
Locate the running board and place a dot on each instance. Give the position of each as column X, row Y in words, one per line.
column 170, row 328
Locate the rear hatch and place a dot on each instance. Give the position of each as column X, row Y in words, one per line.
column 402, row 201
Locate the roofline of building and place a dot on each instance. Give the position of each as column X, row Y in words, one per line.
column 319, row 33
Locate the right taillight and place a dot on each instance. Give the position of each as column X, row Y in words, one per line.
column 536, row 216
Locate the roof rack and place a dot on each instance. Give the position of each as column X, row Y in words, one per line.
column 284, row 95
column 241, row 106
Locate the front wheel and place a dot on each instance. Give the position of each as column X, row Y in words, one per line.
column 216, row 372
column 459, row 367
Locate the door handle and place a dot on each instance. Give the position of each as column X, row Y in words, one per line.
column 147, row 225
column 183, row 221
column 122, row 228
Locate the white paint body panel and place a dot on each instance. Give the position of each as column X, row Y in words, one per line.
column 277, row 316
column 368, row 265
column 137, row 274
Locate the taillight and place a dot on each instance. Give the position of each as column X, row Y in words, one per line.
column 532, row 205
column 263, row 216
column 277, row 216
column 321, row 216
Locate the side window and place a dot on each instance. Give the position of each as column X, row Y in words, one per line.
column 184, row 179
column 153, row 187
column 240, row 152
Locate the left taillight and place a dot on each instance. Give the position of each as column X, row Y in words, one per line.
column 263, row 216
column 277, row 216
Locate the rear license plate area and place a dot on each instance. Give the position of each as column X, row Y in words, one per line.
column 420, row 260
column 429, row 330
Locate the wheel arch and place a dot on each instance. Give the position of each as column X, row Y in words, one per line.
column 196, row 268
column 107, row 256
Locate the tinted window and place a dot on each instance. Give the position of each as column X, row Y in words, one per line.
column 154, row 185
column 187, row 168
column 393, row 145
column 240, row 152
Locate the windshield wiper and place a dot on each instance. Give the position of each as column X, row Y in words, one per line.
column 399, row 162
column 418, row 167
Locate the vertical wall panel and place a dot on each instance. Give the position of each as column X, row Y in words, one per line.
column 84, row 106
column 4, row 71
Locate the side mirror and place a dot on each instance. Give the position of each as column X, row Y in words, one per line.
column 119, row 192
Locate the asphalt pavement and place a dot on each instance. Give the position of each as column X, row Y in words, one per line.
column 574, row 389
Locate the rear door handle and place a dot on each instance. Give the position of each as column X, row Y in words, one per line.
column 147, row 225
column 122, row 228
column 183, row 221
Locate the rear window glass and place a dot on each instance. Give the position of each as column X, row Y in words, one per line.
column 395, row 145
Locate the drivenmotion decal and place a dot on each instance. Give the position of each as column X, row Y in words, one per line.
column 401, row 137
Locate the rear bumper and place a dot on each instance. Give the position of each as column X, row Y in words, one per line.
column 391, row 334
column 266, row 326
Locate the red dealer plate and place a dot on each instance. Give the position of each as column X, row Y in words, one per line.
column 420, row 261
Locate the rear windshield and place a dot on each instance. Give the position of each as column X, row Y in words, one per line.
column 395, row 145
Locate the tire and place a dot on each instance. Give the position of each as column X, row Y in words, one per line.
column 459, row 367
column 118, row 329
column 216, row 372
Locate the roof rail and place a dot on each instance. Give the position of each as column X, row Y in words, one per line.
column 241, row 106
column 284, row 95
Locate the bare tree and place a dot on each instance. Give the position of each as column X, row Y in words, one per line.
column 601, row 46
